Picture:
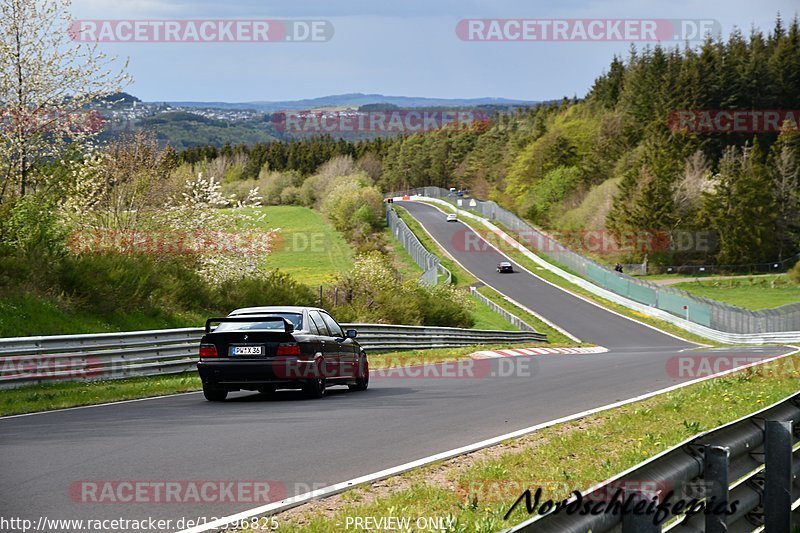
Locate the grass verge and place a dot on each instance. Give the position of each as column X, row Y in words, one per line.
column 401, row 259
column 461, row 278
column 29, row 314
column 761, row 292
column 553, row 335
column 485, row 318
column 309, row 247
column 475, row 491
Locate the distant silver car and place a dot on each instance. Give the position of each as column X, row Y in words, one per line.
column 452, row 217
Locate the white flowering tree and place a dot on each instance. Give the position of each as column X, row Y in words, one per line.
column 47, row 81
column 222, row 232
column 128, row 201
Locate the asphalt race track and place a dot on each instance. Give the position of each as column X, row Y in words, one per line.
column 584, row 320
column 299, row 445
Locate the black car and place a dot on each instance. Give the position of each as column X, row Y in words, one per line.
column 504, row 267
column 270, row 348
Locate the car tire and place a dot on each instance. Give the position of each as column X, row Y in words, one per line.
column 214, row 394
column 315, row 388
column 267, row 390
column 362, row 381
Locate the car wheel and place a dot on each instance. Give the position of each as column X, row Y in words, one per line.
column 315, row 388
column 267, row 390
column 362, row 382
column 214, row 394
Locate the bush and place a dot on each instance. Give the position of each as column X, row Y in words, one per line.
column 444, row 305
column 271, row 186
column 276, row 288
column 30, row 225
column 290, row 196
column 356, row 209
column 552, row 189
column 794, row 274
column 372, row 292
column 109, row 283
column 113, row 283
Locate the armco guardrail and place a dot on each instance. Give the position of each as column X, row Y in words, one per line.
column 30, row 360
column 703, row 331
column 701, row 311
column 514, row 319
column 428, row 262
column 754, row 461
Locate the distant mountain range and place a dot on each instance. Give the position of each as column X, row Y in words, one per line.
column 357, row 100
column 186, row 124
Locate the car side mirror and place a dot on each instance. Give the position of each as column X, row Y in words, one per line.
column 351, row 334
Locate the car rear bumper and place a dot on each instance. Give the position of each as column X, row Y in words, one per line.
column 274, row 371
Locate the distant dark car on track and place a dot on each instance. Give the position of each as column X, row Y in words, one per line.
column 270, row 348
column 504, row 267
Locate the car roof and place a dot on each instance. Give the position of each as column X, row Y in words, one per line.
column 267, row 309
column 504, row 263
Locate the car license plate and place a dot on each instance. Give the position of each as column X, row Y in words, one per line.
column 247, row 350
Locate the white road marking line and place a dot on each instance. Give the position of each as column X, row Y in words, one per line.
column 300, row 499
column 100, row 404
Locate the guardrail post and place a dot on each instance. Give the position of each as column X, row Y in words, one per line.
column 715, row 474
column 778, row 475
column 643, row 522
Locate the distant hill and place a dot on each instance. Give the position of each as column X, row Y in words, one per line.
column 188, row 124
column 184, row 130
column 118, row 98
column 358, row 100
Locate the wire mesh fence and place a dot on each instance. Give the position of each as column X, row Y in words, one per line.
column 709, row 313
column 429, row 263
column 754, row 268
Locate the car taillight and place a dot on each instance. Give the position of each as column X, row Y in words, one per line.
column 288, row 348
column 208, row 350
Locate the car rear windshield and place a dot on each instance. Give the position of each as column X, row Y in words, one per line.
column 294, row 318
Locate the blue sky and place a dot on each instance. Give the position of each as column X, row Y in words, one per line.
column 406, row 47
